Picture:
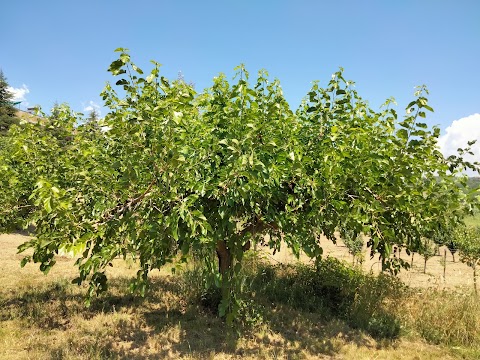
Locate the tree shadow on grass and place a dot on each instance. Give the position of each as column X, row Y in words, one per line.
column 165, row 324
column 285, row 332
column 52, row 305
column 312, row 333
column 191, row 330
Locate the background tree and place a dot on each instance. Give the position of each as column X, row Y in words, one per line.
column 453, row 248
column 55, row 111
column 7, row 110
column 29, row 154
column 427, row 250
column 468, row 242
column 354, row 243
column 180, row 172
column 93, row 116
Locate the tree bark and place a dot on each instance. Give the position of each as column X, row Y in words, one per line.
column 224, row 257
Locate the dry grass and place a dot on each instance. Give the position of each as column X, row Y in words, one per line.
column 454, row 320
column 44, row 318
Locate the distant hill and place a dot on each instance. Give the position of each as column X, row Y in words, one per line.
column 24, row 115
column 473, row 182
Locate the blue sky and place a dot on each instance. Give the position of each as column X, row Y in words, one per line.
column 60, row 50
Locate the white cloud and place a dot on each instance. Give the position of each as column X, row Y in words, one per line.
column 19, row 93
column 92, row 106
column 458, row 134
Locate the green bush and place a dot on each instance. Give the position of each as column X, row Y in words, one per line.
column 335, row 290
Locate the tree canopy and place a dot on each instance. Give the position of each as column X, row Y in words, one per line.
column 170, row 171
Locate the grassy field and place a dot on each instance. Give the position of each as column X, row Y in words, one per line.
column 473, row 220
column 332, row 312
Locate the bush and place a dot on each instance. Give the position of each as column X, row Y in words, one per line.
column 380, row 305
column 334, row 289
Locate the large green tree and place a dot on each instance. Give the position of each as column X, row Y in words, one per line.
column 7, row 111
column 171, row 172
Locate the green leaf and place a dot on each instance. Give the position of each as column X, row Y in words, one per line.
column 115, row 66
column 402, row 134
column 121, row 82
column 150, row 78
column 25, row 260
column 137, row 69
column 429, row 108
column 47, row 204
column 125, row 58
column 411, row 104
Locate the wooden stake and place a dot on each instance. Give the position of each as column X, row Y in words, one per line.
column 444, row 265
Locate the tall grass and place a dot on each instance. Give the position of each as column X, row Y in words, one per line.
column 335, row 290
column 381, row 305
column 444, row 317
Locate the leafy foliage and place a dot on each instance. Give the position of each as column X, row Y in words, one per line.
column 170, row 172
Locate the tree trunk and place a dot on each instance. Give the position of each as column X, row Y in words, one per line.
column 225, row 262
column 425, row 266
column 224, row 257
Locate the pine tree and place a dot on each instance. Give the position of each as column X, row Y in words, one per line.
column 7, row 111
column 93, row 117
